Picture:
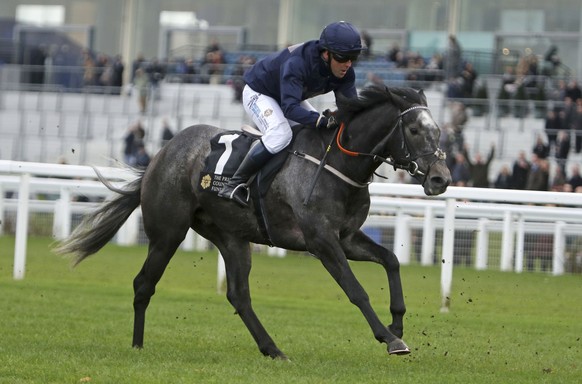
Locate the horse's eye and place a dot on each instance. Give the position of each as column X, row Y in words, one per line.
column 414, row 130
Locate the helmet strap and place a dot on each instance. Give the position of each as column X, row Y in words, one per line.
column 328, row 61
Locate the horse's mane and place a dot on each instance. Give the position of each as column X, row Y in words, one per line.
column 372, row 96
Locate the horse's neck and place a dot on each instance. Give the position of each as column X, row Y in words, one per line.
column 359, row 168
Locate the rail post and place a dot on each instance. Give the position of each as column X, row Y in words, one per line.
column 21, row 227
column 447, row 257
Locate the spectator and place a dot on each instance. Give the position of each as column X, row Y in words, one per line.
column 244, row 63
column 479, row 169
column 190, row 72
column 401, row 60
column 448, row 145
column 552, row 61
column 156, row 73
column 562, row 149
column 89, row 69
column 573, row 91
column 552, row 125
column 526, row 71
column 415, row 69
column 142, row 158
column 117, row 75
column 139, row 62
column 367, row 41
column 213, row 63
column 558, row 180
column 540, row 148
column 453, row 59
column 60, row 61
column 508, row 77
column 575, row 180
column 133, row 140
column 460, row 173
column 38, row 56
column 577, row 125
column 167, row 133
column 520, row 172
column 568, row 113
column 106, row 78
column 468, row 75
column 538, row 178
column 503, row 180
column 393, row 53
column 559, row 92
column 102, row 73
column 142, row 85
column 458, row 120
column 434, row 68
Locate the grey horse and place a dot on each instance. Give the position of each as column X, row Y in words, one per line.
column 314, row 208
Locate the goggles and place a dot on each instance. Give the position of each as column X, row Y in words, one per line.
column 344, row 57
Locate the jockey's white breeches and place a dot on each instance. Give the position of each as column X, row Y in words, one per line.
column 267, row 115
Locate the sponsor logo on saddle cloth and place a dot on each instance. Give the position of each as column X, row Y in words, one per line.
column 227, row 151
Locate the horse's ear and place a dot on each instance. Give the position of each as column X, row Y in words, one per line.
column 397, row 100
column 422, row 97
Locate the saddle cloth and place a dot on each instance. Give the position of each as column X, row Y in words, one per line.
column 227, row 150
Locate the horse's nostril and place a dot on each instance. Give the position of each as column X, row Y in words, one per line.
column 440, row 181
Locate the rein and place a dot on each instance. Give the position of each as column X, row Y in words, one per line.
column 411, row 166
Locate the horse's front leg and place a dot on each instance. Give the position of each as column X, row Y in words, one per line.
column 334, row 260
column 359, row 247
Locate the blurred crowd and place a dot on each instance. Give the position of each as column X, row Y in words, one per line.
column 550, row 156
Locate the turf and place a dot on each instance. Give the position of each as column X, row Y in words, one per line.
column 64, row 325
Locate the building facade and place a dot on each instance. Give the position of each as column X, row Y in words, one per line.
column 184, row 27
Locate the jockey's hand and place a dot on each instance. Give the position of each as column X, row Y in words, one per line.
column 326, row 121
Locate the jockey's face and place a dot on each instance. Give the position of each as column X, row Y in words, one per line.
column 338, row 68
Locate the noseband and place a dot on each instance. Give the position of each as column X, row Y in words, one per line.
column 408, row 162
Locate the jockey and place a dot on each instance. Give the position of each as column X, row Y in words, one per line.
column 278, row 86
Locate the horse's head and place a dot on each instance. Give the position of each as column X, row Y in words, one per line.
column 418, row 147
column 404, row 134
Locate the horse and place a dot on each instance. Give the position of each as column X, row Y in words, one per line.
column 319, row 213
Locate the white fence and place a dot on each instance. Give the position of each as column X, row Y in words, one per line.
column 402, row 208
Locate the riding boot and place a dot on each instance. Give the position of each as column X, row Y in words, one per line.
column 236, row 189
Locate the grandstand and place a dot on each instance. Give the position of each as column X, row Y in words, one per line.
column 88, row 128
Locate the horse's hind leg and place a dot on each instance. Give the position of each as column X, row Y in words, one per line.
column 237, row 260
column 160, row 253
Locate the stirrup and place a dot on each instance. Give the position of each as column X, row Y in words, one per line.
column 234, row 197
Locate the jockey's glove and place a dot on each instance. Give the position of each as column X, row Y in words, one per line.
column 326, row 121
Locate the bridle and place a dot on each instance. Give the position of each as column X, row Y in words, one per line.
column 407, row 162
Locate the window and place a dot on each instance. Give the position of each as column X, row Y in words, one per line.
column 181, row 19
column 41, row 14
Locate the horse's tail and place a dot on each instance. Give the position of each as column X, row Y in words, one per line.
column 100, row 226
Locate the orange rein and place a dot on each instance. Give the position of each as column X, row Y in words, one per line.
column 346, row 151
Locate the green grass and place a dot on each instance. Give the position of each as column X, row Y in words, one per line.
column 63, row 325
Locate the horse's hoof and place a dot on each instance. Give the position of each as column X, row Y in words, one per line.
column 398, row 347
column 281, row 357
column 274, row 353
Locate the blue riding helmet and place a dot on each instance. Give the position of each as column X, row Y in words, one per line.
column 341, row 37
